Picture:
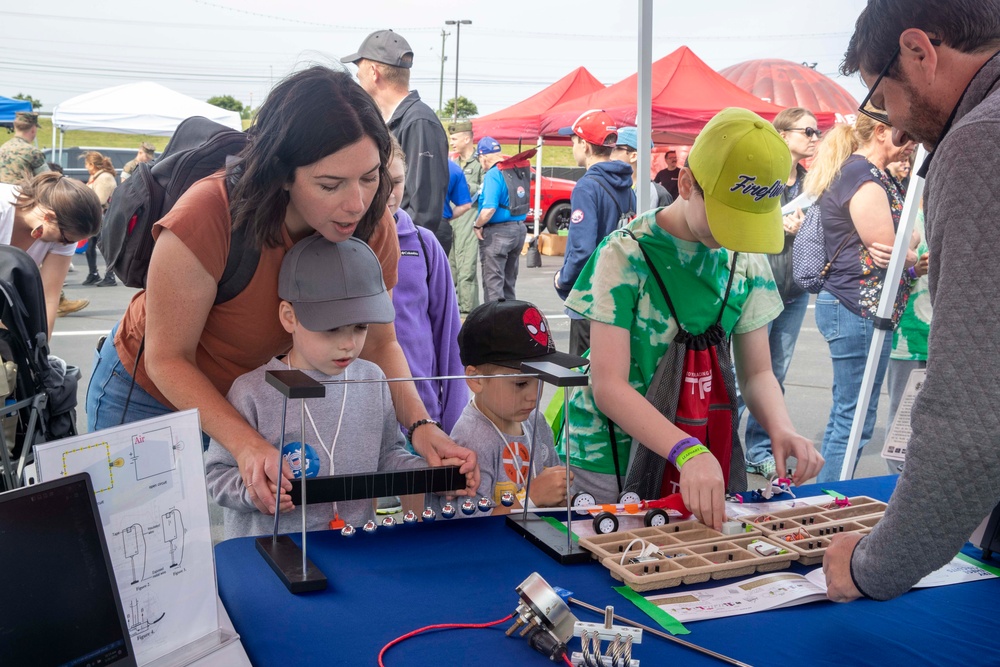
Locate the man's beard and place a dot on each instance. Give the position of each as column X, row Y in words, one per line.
column 926, row 122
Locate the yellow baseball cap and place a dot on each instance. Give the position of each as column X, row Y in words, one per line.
column 742, row 163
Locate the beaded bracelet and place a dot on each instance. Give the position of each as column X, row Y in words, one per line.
column 689, row 454
column 681, row 445
column 420, row 422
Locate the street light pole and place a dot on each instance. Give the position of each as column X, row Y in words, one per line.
column 458, row 39
column 441, row 86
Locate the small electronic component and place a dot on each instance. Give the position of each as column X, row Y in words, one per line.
column 543, row 618
column 507, row 499
column 410, row 517
column 347, row 530
column 733, row 527
column 369, row 527
column 762, row 548
column 636, row 560
column 468, row 508
column 618, row 652
column 389, row 522
column 428, row 515
column 448, row 511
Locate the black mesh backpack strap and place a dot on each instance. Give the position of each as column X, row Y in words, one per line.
column 241, row 263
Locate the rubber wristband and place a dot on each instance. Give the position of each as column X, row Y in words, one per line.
column 689, row 454
column 912, row 271
column 420, row 422
column 679, row 448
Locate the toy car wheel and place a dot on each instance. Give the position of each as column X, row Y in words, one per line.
column 583, row 499
column 605, row 523
column 656, row 517
column 629, row 498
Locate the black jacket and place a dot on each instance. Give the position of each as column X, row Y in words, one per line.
column 425, row 143
column 781, row 263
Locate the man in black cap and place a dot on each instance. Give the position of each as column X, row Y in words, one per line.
column 384, row 61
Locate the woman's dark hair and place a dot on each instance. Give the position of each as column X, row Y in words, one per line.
column 76, row 207
column 306, row 117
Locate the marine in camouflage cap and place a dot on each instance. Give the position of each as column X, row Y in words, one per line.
column 26, row 118
column 460, row 126
column 19, row 159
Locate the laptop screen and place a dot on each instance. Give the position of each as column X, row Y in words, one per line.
column 59, row 598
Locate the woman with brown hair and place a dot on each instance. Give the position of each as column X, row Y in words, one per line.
column 46, row 217
column 102, row 182
column 315, row 163
column 860, row 206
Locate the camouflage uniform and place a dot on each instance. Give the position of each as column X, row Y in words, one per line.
column 20, row 160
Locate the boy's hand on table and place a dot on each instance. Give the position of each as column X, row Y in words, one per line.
column 435, row 446
column 809, row 460
column 703, row 490
column 548, row 488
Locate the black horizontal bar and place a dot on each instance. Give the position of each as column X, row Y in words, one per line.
column 337, row 488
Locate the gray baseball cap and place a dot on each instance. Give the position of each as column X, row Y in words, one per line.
column 384, row 46
column 334, row 285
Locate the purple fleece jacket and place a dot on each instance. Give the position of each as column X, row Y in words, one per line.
column 427, row 321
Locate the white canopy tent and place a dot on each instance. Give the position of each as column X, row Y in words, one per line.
column 135, row 108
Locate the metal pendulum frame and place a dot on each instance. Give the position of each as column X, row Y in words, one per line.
column 288, row 560
column 531, row 526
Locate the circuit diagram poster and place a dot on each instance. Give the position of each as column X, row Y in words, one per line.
column 149, row 481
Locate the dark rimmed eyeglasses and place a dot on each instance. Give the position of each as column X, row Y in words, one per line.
column 810, row 132
column 876, row 112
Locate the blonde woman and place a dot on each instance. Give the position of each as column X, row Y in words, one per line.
column 103, row 183
column 860, row 205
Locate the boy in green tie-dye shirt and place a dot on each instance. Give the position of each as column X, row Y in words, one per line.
column 729, row 201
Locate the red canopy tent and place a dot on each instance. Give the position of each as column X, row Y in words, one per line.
column 789, row 84
column 686, row 93
column 523, row 120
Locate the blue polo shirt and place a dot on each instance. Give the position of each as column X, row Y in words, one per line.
column 493, row 194
column 458, row 190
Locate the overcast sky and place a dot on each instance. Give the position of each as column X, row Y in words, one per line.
column 57, row 49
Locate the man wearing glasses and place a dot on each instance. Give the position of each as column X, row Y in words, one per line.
column 939, row 85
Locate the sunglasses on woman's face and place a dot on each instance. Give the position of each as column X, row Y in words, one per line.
column 810, row 132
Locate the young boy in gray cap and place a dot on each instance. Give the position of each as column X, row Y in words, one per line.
column 330, row 293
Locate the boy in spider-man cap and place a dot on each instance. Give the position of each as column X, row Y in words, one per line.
column 501, row 423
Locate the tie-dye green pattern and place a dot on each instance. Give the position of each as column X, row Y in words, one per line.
column 909, row 339
column 616, row 288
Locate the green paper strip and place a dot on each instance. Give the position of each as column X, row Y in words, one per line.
column 838, row 496
column 981, row 565
column 559, row 525
column 662, row 618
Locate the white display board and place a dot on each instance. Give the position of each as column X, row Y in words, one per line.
column 149, row 480
column 899, row 431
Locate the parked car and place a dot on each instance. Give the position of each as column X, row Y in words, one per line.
column 556, row 209
column 72, row 159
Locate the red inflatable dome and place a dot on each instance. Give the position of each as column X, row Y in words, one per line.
column 789, row 84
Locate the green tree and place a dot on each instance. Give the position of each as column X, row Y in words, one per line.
column 35, row 104
column 226, row 102
column 465, row 108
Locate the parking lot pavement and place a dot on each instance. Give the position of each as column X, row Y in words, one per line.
column 807, row 389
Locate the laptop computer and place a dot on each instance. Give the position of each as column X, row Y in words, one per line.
column 59, row 597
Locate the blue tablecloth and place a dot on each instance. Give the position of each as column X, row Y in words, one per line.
column 385, row 585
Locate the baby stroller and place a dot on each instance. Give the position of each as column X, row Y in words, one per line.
column 40, row 403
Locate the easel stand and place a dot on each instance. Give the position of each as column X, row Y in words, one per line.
column 532, row 527
column 287, row 559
